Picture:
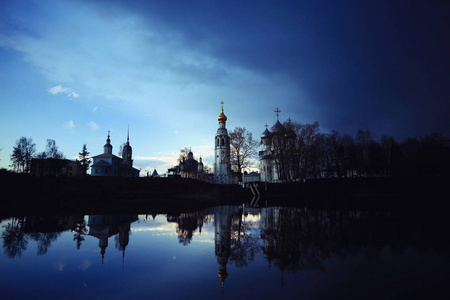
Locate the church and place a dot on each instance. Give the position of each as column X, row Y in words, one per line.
column 107, row 164
column 272, row 157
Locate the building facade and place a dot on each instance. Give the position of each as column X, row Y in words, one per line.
column 107, row 164
column 55, row 167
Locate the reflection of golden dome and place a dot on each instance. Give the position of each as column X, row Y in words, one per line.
column 223, row 275
column 222, row 117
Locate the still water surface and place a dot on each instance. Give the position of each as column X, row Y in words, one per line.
column 226, row 252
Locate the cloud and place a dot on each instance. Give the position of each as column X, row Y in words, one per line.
column 59, row 89
column 86, row 263
column 69, row 125
column 94, row 109
column 93, row 126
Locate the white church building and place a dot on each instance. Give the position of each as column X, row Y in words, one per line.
column 107, row 164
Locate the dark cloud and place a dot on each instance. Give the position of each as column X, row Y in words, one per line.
column 377, row 65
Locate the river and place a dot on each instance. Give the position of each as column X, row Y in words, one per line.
column 226, row 252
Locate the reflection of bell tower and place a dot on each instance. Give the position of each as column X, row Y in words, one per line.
column 222, row 238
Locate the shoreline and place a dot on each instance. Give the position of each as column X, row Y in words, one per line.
column 23, row 194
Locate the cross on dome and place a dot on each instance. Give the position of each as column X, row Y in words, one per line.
column 278, row 112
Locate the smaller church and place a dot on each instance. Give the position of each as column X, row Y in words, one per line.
column 188, row 168
column 274, row 144
column 107, row 164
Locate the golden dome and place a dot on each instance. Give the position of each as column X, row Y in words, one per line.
column 222, row 117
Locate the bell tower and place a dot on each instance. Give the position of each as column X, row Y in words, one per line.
column 127, row 151
column 222, row 165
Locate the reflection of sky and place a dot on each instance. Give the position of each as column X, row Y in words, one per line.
column 157, row 266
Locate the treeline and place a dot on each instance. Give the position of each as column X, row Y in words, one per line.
column 24, row 153
column 312, row 154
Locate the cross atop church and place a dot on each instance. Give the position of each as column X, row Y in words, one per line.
column 221, row 102
column 278, row 112
column 265, row 125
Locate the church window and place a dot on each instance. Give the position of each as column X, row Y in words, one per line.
column 222, row 143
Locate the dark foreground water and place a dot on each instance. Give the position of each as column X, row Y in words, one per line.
column 227, row 252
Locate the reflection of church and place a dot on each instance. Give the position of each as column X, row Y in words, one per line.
column 107, row 164
column 103, row 227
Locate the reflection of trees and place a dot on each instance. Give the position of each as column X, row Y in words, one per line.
column 286, row 242
column 187, row 224
column 80, row 230
column 42, row 229
column 44, row 240
column 14, row 238
column 296, row 239
column 244, row 244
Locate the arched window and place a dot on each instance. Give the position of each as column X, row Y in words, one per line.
column 222, row 142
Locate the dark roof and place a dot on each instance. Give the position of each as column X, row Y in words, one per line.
column 102, row 163
column 129, row 168
column 277, row 128
column 268, row 156
column 105, row 155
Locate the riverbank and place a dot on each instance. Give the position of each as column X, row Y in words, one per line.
column 22, row 194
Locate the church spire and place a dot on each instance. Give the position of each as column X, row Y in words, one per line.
column 128, row 135
column 108, row 147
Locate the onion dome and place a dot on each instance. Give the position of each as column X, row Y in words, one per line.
column 278, row 128
column 222, row 118
column 266, row 134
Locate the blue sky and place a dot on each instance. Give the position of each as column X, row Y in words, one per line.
column 72, row 70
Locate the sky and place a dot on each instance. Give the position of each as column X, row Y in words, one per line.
column 73, row 70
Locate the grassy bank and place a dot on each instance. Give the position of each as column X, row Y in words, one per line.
column 21, row 194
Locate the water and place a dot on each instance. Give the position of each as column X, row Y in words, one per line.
column 227, row 252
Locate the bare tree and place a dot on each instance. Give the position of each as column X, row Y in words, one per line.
column 243, row 147
column 22, row 154
column 183, row 154
column 51, row 151
column 121, row 149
